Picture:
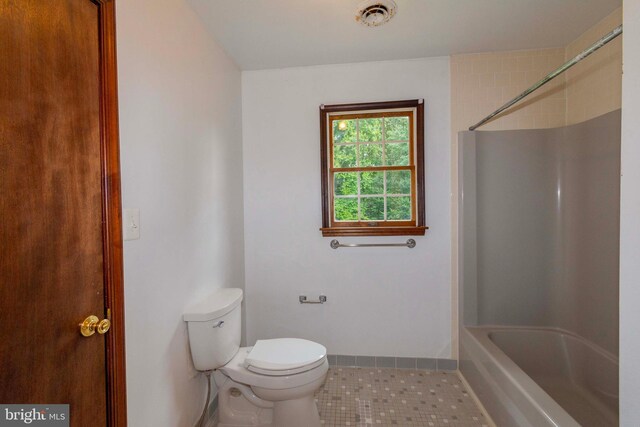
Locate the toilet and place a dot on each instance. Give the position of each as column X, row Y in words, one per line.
column 270, row 384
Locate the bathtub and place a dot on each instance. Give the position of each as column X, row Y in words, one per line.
column 540, row 376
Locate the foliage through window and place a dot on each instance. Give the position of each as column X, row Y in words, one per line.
column 372, row 169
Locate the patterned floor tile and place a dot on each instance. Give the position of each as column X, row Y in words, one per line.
column 396, row 397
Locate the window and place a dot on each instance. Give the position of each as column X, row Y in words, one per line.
column 372, row 169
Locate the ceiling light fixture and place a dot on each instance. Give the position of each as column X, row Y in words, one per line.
column 374, row 13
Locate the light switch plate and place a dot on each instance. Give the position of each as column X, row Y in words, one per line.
column 131, row 223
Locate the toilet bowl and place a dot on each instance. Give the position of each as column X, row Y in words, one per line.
column 289, row 395
column 270, row 384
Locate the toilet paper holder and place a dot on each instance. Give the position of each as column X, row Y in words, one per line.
column 321, row 300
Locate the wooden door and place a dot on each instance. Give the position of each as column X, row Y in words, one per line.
column 60, row 245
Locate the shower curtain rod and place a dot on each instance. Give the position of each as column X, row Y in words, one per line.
column 597, row 45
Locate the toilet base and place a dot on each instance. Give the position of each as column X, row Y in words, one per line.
column 287, row 413
column 290, row 413
column 235, row 409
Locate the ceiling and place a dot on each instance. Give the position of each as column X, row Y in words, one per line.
column 261, row 34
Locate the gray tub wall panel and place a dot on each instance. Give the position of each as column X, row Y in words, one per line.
column 516, row 224
column 587, row 301
column 539, row 228
column 467, row 251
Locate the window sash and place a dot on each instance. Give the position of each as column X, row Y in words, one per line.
column 410, row 114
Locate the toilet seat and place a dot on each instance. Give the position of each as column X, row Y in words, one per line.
column 275, row 373
column 237, row 371
column 284, row 356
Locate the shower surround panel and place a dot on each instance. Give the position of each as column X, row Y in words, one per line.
column 539, row 238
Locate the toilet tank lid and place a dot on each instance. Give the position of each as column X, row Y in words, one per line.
column 214, row 306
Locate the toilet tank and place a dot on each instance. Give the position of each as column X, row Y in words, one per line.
column 214, row 329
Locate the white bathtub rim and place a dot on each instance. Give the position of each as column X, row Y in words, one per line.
column 533, row 393
column 509, row 406
column 601, row 351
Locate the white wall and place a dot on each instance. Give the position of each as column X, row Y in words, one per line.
column 381, row 301
column 180, row 130
column 630, row 220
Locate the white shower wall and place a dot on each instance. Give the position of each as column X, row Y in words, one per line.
column 381, row 301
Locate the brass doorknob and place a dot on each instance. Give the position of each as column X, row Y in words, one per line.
column 92, row 324
column 103, row 326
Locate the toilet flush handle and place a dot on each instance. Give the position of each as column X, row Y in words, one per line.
column 220, row 324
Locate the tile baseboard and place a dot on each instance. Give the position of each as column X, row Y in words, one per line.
column 419, row 363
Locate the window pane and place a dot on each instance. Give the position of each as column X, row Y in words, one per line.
column 372, row 208
column 396, row 128
column 346, row 209
column 370, row 154
column 398, row 182
column 371, row 182
column 397, row 154
column 398, row 208
column 346, row 183
column 344, row 156
column 370, row 129
column 344, row 131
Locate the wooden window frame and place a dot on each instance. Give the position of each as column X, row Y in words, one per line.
column 329, row 113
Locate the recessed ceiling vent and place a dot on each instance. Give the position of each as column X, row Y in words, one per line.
column 374, row 13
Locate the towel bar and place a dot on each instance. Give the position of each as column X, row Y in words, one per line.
column 335, row 244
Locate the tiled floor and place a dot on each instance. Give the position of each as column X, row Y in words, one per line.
column 396, row 397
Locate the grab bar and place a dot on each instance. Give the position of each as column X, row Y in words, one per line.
column 335, row 244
